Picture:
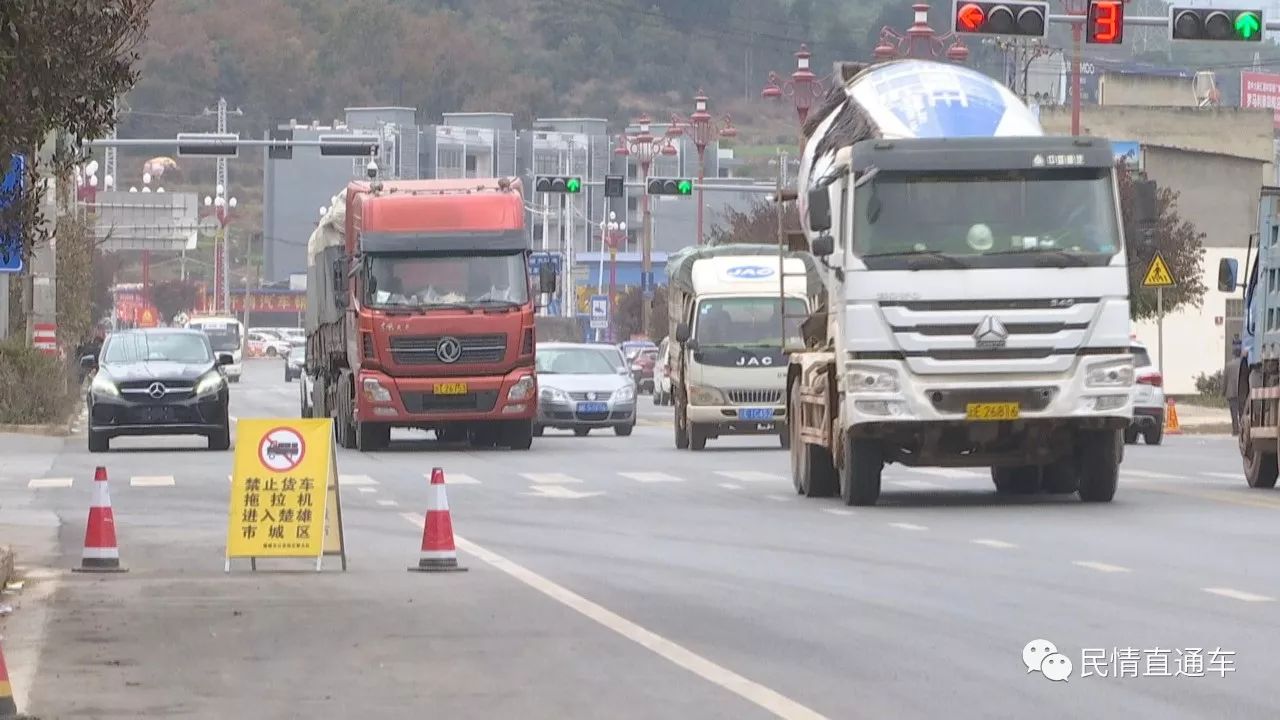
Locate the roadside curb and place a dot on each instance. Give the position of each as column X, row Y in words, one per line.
column 1211, row 428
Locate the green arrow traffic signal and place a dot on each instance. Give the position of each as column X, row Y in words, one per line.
column 685, row 187
column 573, row 185
column 1247, row 25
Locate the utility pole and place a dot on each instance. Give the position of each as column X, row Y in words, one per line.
column 221, row 261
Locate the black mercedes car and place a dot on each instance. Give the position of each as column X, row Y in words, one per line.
column 158, row 382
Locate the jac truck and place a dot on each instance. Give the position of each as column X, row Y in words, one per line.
column 728, row 372
column 976, row 309
column 420, row 313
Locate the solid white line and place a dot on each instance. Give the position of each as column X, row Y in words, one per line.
column 1100, row 567
column 908, row 526
column 1223, row 475
column 551, row 478
column 1149, row 474
column 749, row 475
column 837, row 511
column 367, row 489
column 751, row 691
column 1238, row 595
column 355, row 480
column 780, row 498
column 916, row 484
column 151, row 481
column 651, row 477
column 388, row 503
column 993, row 543
column 455, row 479
column 39, row 483
column 730, row 486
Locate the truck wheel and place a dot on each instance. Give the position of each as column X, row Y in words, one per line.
column 1260, row 468
column 784, row 438
column 1060, row 477
column 372, row 436
column 483, row 436
column 344, row 424
column 1016, row 480
column 681, row 424
column 518, row 434
column 812, row 470
column 860, row 480
column 697, row 437
column 1154, row 436
column 538, row 430
column 1098, row 453
column 1130, row 436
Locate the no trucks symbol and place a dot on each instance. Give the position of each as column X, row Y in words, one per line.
column 282, row 449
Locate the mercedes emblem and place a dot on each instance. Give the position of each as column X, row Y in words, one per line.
column 156, row 390
column 448, row 349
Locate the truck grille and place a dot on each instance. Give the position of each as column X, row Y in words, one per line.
column 421, row 349
column 481, row 401
column 755, row 397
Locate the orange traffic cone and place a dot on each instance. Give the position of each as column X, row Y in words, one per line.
column 1171, row 426
column 438, row 553
column 101, row 554
column 8, row 708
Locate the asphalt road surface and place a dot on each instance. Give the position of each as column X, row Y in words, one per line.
column 620, row 578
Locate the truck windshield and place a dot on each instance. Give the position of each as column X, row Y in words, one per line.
column 435, row 281
column 224, row 337
column 747, row 321
column 1022, row 218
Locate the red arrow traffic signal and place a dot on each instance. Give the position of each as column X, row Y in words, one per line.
column 970, row 17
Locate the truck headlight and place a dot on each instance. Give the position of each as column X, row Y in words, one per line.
column 102, row 385
column 703, row 395
column 624, row 393
column 374, row 391
column 553, row 395
column 209, row 384
column 870, row 379
column 1116, row 373
column 522, row 390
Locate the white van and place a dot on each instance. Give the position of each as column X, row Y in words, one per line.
column 226, row 334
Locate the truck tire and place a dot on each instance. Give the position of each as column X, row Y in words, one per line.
column 538, row 430
column 1260, row 468
column 372, row 436
column 1099, row 453
column 812, row 471
column 344, row 424
column 1016, row 480
column 681, row 425
column 518, row 434
column 697, row 437
column 1130, row 436
column 483, row 436
column 784, row 438
column 1060, row 477
column 1155, row 435
column 860, row 478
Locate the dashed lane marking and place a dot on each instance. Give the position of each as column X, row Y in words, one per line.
column 837, row 511
column 764, row 697
column 1000, row 544
column 907, row 526
column 355, row 480
column 730, row 486
column 1100, row 566
column 1238, row 595
column 749, row 475
column 780, row 498
column 551, row 478
column 1224, row 475
column 151, row 481
column 388, row 503
column 455, row 479
column 44, row 483
column 367, row 489
column 651, row 477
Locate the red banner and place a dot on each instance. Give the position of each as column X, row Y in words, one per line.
column 1262, row 91
column 270, row 302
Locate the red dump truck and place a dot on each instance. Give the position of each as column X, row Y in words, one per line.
column 420, row 313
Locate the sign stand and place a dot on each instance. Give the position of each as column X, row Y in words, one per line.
column 1159, row 277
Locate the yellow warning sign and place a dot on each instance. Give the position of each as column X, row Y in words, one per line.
column 334, row 542
column 278, row 507
column 1158, row 274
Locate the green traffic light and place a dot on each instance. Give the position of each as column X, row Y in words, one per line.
column 573, row 185
column 1247, row 25
column 684, row 187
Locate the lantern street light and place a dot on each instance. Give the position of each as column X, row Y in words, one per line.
column 702, row 129
column 803, row 88
column 920, row 41
column 644, row 147
column 612, row 234
column 222, row 207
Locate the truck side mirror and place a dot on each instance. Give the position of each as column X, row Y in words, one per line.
column 824, row 246
column 682, row 333
column 819, row 214
column 1144, row 202
column 1228, row 270
column 89, row 362
column 340, row 295
column 546, row 279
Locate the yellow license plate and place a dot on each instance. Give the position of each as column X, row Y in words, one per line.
column 992, row 411
column 454, row 388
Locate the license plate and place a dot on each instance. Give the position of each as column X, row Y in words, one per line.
column 593, row 407
column 992, row 411
column 156, row 414
column 452, row 388
column 755, row 413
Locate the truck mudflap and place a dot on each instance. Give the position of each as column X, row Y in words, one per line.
column 430, row 401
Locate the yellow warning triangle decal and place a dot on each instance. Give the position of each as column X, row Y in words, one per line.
column 1158, row 274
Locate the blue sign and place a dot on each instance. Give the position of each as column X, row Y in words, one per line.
column 599, row 307
column 11, row 238
column 538, row 259
column 750, row 272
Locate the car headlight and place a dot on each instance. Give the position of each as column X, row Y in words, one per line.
column 703, row 395
column 522, row 390
column 1116, row 373
column 374, row 391
column 209, row 384
column 102, row 385
column 870, row 379
column 624, row 393
column 553, row 395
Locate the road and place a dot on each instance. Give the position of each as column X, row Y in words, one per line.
column 617, row 577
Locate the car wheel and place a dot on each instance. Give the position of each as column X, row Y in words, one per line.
column 1154, row 436
column 582, row 432
column 99, row 442
column 623, row 430
column 221, row 440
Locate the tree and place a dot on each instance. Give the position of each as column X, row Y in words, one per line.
column 627, row 317
column 173, row 297
column 757, row 226
column 1175, row 239
column 63, row 63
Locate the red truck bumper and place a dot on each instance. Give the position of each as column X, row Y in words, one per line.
column 410, row 401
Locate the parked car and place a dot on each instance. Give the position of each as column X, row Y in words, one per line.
column 1148, row 399
column 159, row 381
column 630, row 348
column 265, row 344
column 581, row 388
column 295, row 362
column 662, row 374
column 304, row 395
column 642, row 365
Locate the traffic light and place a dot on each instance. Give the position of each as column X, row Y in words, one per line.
column 557, row 184
column 208, row 145
column 1024, row 19
column 1215, row 24
column 349, row 145
column 614, row 186
column 1105, row 22
column 670, row 186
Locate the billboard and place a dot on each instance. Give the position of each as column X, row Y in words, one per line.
column 1261, row 90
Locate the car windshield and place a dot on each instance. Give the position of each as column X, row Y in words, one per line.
column 224, row 337
column 747, row 321
column 1021, row 218
column 160, row 347
column 1140, row 357
column 576, row 361
column 426, row 281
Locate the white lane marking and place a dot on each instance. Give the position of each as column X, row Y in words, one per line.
column 780, row 498
column 151, row 481
column 916, row 484
column 39, row 483
column 955, row 473
column 751, row 691
column 1149, row 474
column 908, row 526
column 551, row 478
column 455, row 479
column 1223, row 475
column 651, row 477
column 367, row 489
column 388, row 503
column 1100, row 567
column 749, row 475
column 837, row 511
column 730, row 486
column 1238, row 595
column 993, row 543
column 561, row 492
column 356, row 480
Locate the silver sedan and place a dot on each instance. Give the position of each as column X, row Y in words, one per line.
column 582, row 387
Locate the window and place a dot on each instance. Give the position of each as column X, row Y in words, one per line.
column 393, row 280
column 1140, row 357
column 576, row 361
column 747, row 321
column 160, row 347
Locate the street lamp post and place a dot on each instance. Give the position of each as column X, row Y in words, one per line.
column 702, row 129
column 803, row 87
column 146, row 254
column 644, row 147
column 612, row 233
column 920, row 41
column 222, row 207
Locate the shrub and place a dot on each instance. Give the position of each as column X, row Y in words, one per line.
column 1211, row 385
column 34, row 387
